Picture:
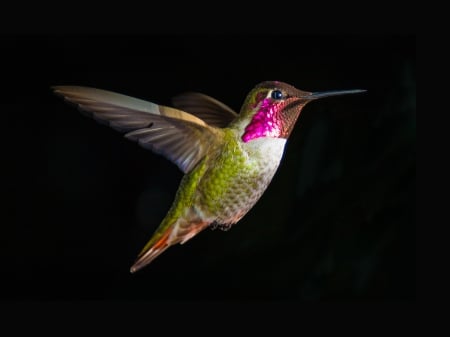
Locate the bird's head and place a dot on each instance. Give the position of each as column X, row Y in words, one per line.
column 272, row 108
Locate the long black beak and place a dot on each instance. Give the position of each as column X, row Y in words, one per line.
column 316, row 95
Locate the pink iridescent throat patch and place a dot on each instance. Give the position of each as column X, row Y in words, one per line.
column 265, row 122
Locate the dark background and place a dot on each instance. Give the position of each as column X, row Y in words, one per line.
column 337, row 222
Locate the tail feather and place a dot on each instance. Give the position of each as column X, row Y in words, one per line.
column 148, row 254
column 173, row 235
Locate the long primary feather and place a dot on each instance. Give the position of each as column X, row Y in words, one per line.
column 179, row 136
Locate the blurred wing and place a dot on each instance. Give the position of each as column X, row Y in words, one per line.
column 177, row 135
column 208, row 109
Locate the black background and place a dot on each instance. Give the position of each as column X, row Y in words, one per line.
column 336, row 223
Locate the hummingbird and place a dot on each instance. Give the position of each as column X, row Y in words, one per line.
column 228, row 158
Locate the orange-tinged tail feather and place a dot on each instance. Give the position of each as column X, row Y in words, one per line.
column 150, row 252
column 174, row 234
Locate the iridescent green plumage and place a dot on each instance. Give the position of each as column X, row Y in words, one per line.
column 220, row 190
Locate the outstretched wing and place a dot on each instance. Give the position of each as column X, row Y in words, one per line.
column 177, row 135
column 208, row 109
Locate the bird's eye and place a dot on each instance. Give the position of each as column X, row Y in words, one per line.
column 277, row 94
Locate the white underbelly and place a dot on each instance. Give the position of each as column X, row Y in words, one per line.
column 264, row 156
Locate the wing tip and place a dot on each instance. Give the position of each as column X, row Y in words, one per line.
column 56, row 88
column 61, row 90
column 59, row 87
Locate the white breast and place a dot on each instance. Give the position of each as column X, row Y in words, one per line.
column 266, row 151
column 242, row 190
